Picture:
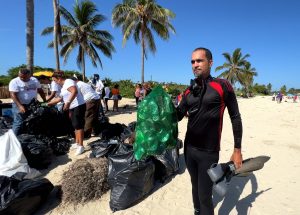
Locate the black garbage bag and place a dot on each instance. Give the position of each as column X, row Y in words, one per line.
column 123, row 148
column 60, row 146
column 4, row 125
column 47, row 121
column 167, row 163
column 36, row 151
column 130, row 180
column 22, row 197
column 108, row 130
column 103, row 148
column 98, row 128
column 132, row 126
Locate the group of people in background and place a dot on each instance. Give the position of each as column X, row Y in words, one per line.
column 106, row 93
column 82, row 101
column 141, row 91
column 279, row 97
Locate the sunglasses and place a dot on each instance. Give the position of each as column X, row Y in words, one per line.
column 197, row 60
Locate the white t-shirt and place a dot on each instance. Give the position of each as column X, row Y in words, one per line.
column 26, row 90
column 107, row 91
column 55, row 88
column 87, row 91
column 65, row 94
column 99, row 87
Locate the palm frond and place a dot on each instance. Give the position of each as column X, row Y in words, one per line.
column 48, row 30
column 68, row 16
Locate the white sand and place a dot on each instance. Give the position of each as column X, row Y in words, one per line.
column 269, row 129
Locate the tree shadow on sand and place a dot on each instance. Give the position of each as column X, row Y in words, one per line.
column 232, row 198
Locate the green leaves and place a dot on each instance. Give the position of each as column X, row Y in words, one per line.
column 81, row 32
column 138, row 18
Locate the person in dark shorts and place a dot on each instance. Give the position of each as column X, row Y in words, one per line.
column 75, row 104
column 204, row 103
column 92, row 101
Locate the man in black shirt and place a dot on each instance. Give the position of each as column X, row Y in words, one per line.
column 204, row 103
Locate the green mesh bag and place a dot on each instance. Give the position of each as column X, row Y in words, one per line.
column 156, row 128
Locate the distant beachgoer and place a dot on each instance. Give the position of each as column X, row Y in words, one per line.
column 295, row 98
column 106, row 96
column 22, row 90
column 279, row 97
column 137, row 93
column 98, row 86
column 146, row 89
column 166, row 88
column 115, row 97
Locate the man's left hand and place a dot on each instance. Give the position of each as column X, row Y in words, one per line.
column 237, row 158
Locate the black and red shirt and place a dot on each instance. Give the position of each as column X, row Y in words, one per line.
column 204, row 102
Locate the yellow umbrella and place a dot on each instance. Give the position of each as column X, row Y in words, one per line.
column 45, row 73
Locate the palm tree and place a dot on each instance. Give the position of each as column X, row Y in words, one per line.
column 30, row 33
column 234, row 67
column 56, row 32
column 138, row 18
column 81, row 33
column 248, row 77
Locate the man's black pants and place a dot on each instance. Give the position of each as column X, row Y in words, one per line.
column 198, row 162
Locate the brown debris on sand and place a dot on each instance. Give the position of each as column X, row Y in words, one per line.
column 85, row 180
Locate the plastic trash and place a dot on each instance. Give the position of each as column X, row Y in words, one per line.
column 156, row 128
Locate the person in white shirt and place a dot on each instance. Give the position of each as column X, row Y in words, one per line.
column 92, row 100
column 54, row 89
column 98, row 85
column 106, row 97
column 22, row 90
column 75, row 104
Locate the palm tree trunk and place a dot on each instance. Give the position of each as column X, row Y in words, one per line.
column 83, row 66
column 143, row 56
column 29, row 33
column 55, row 34
column 143, row 61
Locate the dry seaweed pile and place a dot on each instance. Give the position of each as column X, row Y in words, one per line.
column 85, row 180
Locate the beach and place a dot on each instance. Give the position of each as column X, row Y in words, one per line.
column 269, row 129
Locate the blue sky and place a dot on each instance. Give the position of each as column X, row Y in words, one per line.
column 268, row 30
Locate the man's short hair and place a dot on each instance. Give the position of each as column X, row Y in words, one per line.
column 24, row 71
column 58, row 74
column 208, row 53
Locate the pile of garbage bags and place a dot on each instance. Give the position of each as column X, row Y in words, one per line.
column 38, row 149
column 130, row 180
column 20, row 193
